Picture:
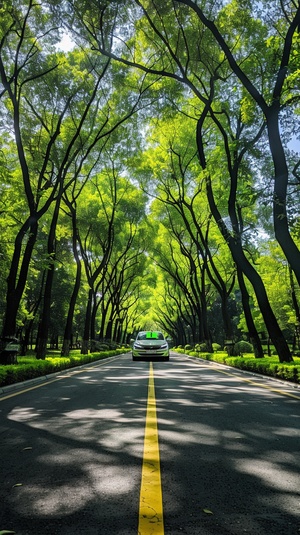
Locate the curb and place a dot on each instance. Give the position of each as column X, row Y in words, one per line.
column 291, row 384
column 44, row 378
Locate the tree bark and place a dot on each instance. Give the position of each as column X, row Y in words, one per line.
column 69, row 322
column 41, row 347
column 87, row 325
column 280, row 220
column 253, row 334
column 249, row 271
column 15, row 289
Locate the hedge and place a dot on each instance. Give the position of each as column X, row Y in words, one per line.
column 30, row 368
column 270, row 366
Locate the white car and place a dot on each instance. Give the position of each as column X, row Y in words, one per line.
column 150, row 345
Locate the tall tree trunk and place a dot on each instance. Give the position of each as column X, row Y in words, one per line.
column 27, row 340
column 296, row 340
column 87, row 325
column 280, row 219
column 94, row 310
column 253, row 334
column 227, row 323
column 70, row 317
column 250, row 272
column 109, row 329
column 16, row 280
column 206, row 331
column 102, row 323
column 41, row 348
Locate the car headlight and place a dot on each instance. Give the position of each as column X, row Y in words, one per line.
column 164, row 346
column 137, row 345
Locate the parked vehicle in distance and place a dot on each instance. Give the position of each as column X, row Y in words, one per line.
column 150, row 345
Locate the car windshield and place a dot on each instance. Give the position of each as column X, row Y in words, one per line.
column 150, row 335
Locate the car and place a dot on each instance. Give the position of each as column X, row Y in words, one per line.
column 150, row 345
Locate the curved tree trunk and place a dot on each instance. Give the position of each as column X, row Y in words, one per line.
column 41, row 347
column 206, row 331
column 280, row 219
column 87, row 325
column 109, row 329
column 249, row 271
column 15, row 288
column 253, row 334
column 69, row 323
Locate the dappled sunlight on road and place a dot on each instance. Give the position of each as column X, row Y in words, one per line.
column 220, row 437
column 86, row 449
column 270, row 473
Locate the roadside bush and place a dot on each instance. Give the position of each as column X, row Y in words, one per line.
column 216, row 347
column 193, row 353
column 110, row 344
column 30, row 368
column 289, row 373
column 243, row 347
column 179, row 349
column 267, row 366
column 97, row 345
column 101, row 347
column 188, row 347
column 201, row 348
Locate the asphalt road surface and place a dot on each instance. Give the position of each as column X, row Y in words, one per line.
column 72, row 451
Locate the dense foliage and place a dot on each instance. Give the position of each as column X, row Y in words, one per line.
column 150, row 173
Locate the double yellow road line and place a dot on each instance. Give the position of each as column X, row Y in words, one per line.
column 151, row 506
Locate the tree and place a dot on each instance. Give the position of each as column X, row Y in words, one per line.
column 37, row 118
column 278, row 81
column 222, row 74
column 169, row 39
column 176, row 181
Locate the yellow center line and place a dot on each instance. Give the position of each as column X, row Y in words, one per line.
column 151, row 506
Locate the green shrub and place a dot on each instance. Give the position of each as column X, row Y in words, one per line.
column 267, row 366
column 30, row 368
column 216, row 347
column 201, row 348
column 178, row 349
column 220, row 357
column 188, row 347
column 243, row 347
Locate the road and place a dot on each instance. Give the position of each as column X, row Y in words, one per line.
column 227, row 447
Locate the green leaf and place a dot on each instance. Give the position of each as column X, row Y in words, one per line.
column 207, row 512
column 5, row 531
column 18, row 485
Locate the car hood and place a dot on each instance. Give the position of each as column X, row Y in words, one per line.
column 150, row 343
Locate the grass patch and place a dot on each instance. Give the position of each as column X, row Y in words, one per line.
column 270, row 366
column 29, row 367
